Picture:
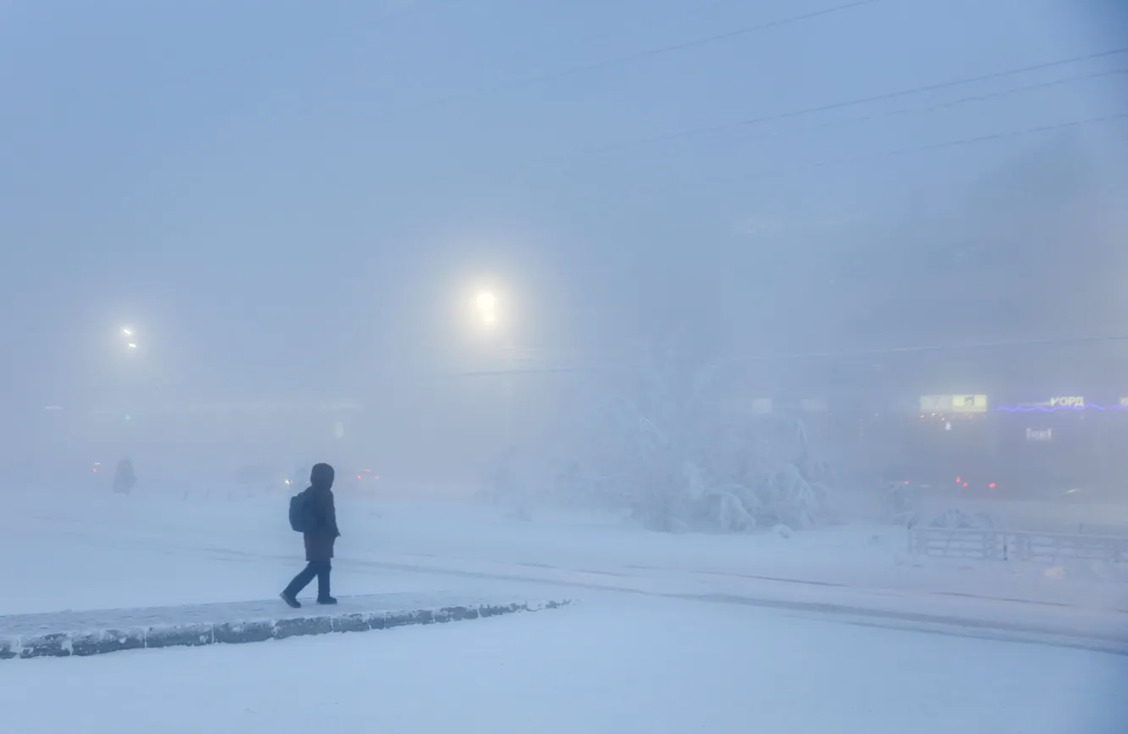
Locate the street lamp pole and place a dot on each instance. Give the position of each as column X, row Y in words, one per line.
column 507, row 386
column 486, row 306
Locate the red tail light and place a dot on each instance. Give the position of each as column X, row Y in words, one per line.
column 992, row 485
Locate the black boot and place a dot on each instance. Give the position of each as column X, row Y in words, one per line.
column 290, row 593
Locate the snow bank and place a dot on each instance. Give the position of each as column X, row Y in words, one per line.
column 97, row 633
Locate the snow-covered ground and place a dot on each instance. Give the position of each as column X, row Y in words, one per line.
column 671, row 632
column 608, row 665
column 90, row 550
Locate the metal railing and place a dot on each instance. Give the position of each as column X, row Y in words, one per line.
column 1006, row 545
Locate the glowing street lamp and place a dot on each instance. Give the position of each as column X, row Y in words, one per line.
column 485, row 303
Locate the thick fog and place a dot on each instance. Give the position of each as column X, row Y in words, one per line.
column 295, row 210
column 743, row 341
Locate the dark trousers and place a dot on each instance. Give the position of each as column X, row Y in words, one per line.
column 321, row 570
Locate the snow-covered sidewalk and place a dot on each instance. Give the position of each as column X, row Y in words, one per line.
column 82, row 633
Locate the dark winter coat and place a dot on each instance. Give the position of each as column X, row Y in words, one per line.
column 319, row 541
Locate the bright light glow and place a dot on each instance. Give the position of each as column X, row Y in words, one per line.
column 485, row 303
column 132, row 345
column 992, row 485
column 127, row 331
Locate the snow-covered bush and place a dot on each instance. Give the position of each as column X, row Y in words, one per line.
column 901, row 505
column 678, row 445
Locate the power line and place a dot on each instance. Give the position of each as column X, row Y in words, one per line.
column 962, row 142
column 985, row 138
column 951, row 103
column 706, row 40
column 929, row 108
column 883, row 97
column 658, row 51
column 996, row 95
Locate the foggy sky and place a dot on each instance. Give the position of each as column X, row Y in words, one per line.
column 289, row 198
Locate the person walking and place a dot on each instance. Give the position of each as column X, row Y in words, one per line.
column 320, row 533
column 124, row 478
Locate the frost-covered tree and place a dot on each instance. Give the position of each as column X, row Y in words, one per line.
column 675, row 442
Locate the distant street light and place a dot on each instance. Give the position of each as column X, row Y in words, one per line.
column 128, row 333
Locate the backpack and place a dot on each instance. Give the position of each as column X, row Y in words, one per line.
column 302, row 518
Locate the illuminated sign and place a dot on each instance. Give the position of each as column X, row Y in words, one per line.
column 1067, row 401
column 1039, row 435
column 953, row 404
column 969, row 403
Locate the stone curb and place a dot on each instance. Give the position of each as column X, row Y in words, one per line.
column 100, row 642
